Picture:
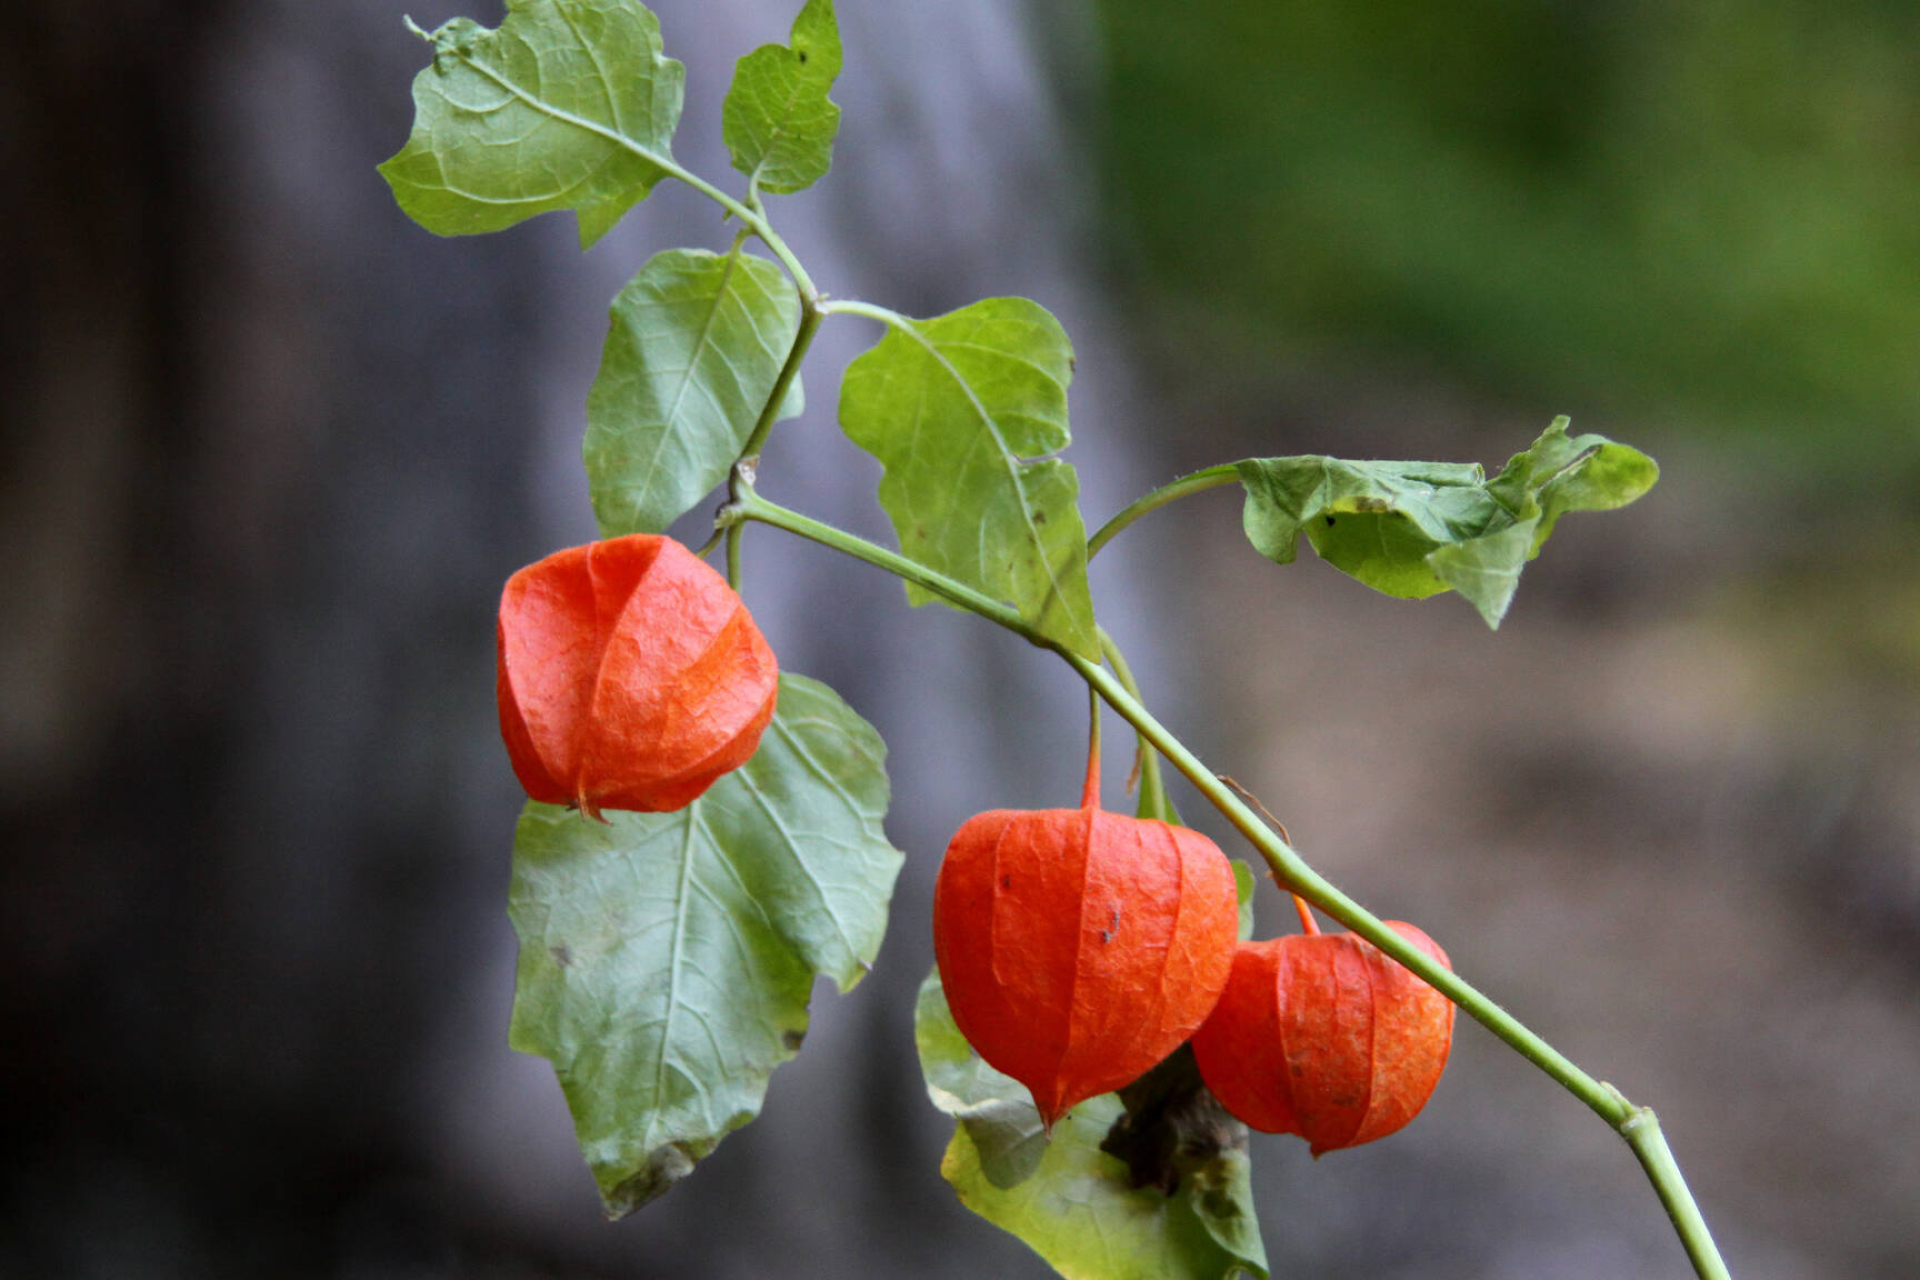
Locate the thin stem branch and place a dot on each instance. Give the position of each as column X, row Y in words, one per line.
column 1153, row 788
column 849, row 307
column 749, row 505
column 1211, row 478
column 750, row 217
column 1090, row 793
column 1635, row 1124
column 748, row 461
column 810, row 315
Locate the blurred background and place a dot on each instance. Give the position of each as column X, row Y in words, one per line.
column 271, row 449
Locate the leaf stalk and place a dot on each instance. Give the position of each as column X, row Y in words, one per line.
column 1211, row 478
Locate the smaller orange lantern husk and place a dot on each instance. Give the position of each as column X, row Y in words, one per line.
column 1327, row 1037
column 1079, row 947
column 630, row 676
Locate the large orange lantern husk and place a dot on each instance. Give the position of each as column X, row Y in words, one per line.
column 630, row 676
column 1325, row 1036
column 1078, row 947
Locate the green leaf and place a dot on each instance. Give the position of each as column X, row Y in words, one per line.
column 666, row 958
column 777, row 120
column 1414, row 529
column 1179, row 1208
column 960, row 410
column 1243, row 884
column 570, row 104
column 695, row 347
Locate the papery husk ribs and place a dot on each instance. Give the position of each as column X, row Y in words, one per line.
column 1327, row 1037
column 1079, row 947
column 630, row 676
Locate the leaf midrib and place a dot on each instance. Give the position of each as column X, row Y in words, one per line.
column 684, row 895
column 1014, row 464
column 779, row 130
column 552, row 112
column 672, row 413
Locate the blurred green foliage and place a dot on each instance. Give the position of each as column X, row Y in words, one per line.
column 1700, row 212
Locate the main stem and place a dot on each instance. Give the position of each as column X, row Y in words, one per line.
column 1636, row 1124
column 749, row 458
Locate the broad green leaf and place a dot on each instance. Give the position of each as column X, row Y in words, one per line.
column 569, row 104
column 1415, row 529
column 1172, row 1210
column 666, row 958
column 961, row 410
column 694, row 350
column 777, row 120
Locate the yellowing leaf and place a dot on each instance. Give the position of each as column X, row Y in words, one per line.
column 1415, row 529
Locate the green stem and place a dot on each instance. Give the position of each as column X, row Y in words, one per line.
column 751, row 218
column 1153, row 788
column 1642, row 1132
column 1635, row 1124
column 849, row 307
column 1211, row 478
column 749, row 459
column 1090, row 793
column 749, row 505
column 810, row 316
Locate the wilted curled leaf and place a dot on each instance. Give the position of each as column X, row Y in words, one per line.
column 1415, row 529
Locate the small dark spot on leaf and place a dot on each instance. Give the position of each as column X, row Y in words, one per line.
column 803, row 55
column 1329, row 519
column 1039, row 517
column 561, row 956
column 792, row 1039
column 1006, row 882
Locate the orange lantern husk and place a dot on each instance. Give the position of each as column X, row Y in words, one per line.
column 630, row 676
column 1079, row 947
column 1327, row 1037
